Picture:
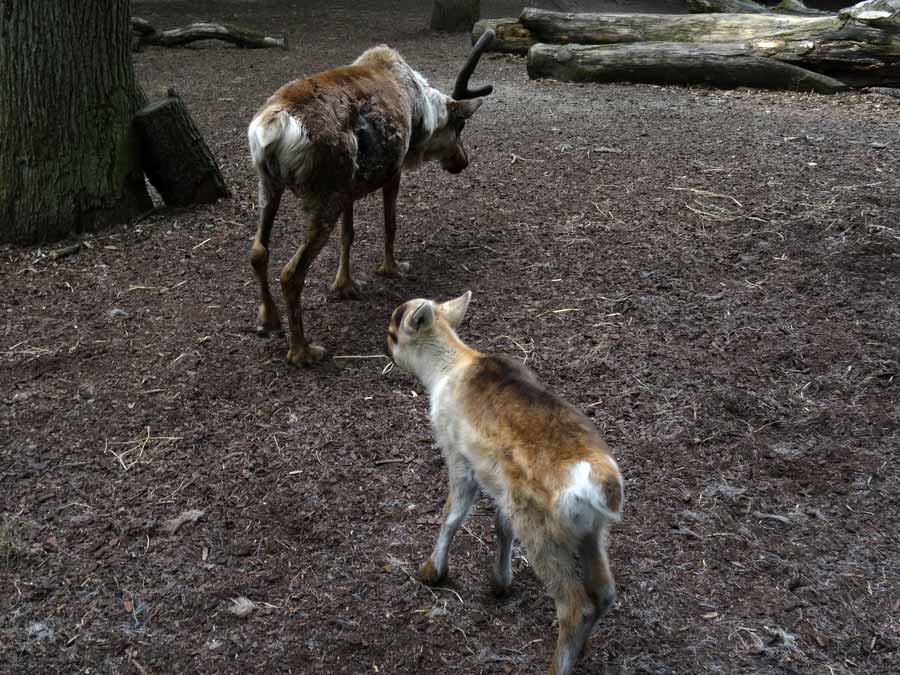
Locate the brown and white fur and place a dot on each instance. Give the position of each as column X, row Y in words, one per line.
column 335, row 137
column 556, row 487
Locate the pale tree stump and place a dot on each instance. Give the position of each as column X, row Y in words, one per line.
column 455, row 16
column 176, row 159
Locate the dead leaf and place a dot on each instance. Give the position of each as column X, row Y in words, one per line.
column 173, row 525
column 241, row 606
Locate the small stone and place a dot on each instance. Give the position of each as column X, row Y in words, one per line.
column 116, row 313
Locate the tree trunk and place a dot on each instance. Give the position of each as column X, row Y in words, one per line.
column 176, row 158
column 68, row 160
column 859, row 49
column 510, row 36
column 455, row 16
column 720, row 65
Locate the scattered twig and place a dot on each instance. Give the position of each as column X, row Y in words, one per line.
column 64, row 251
column 397, row 460
column 361, row 356
column 707, row 193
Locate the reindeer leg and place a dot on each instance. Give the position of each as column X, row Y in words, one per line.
column 269, row 200
column 389, row 266
column 463, row 488
column 555, row 563
column 344, row 287
column 598, row 580
column 320, row 223
column 503, row 531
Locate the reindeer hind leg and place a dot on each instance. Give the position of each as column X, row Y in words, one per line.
column 270, row 192
column 321, row 220
column 555, row 563
column 344, row 287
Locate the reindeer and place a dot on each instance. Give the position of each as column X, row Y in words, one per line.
column 549, row 472
column 336, row 137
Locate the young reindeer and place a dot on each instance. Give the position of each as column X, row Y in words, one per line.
column 550, row 473
column 336, row 137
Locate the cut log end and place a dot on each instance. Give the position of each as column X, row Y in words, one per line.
column 176, row 159
column 510, row 36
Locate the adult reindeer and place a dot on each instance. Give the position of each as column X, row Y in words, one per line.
column 335, row 137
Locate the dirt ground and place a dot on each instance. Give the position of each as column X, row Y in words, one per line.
column 711, row 275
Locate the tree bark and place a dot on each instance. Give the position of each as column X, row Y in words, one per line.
column 510, row 37
column 720, row 65
column 455, row 16
column 860, row 49
column 177, row 160
column 175, row 37
column 68, row 160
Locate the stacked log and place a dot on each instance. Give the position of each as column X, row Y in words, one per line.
column 859, row 47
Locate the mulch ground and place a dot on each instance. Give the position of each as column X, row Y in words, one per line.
column 711, row 275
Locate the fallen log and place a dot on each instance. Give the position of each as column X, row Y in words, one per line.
column 175, row 157
column 145, row 34
column 862, row 49
column 723, row 6
column 750, row 7
column 510, row 37
column 598, row 29
column 883, row 14
column 719, row 65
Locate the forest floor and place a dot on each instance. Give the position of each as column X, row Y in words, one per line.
column 712, row 276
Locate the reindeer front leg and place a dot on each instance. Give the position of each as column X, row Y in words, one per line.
column 344, row 287
column 463, row 488
column 389, row 266
column 293, row 277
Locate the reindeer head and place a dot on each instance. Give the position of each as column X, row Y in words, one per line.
column 445, row 144
column 422, row 333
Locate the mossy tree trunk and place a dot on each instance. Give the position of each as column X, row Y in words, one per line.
column 68, row 157
column 455, row 15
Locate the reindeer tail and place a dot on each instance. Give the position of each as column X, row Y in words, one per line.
column 278, row 142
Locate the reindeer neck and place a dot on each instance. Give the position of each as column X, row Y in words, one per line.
column 444, row 353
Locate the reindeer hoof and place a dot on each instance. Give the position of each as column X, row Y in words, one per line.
column 395, row 270
column 346, row 291
column 304, row 358
column 500, row 588
column 266, row 328
column 267, row 322
column 430, row 575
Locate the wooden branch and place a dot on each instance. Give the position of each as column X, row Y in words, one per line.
column 146, row 34
column 510, row 36
column 721, row 65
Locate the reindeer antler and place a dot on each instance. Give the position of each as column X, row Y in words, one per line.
column 461, row 90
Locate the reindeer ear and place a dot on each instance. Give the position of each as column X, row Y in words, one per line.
column 423, row 317
column 463, row 110
column 455, row 310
